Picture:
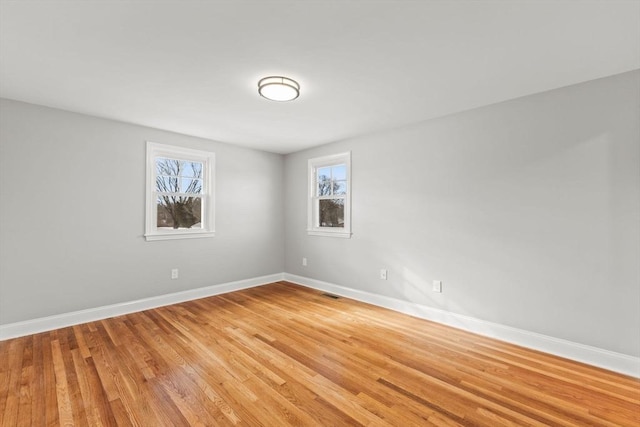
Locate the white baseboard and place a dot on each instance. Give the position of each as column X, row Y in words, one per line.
column 43, row 324
column 610, row 360
column 617, row 362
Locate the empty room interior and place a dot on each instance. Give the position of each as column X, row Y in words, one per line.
column 320, row 213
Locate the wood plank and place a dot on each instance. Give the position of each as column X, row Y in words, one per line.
column 65, row 410
column 13, row 361
column 26, row 385
column 282, row 354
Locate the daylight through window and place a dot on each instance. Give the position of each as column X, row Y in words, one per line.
column 329, row 196
column 179, row 193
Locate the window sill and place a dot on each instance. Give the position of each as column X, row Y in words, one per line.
column 327, row 233
column 179, row 235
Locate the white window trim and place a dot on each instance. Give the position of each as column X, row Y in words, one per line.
column 155, row 150
column 312, row 228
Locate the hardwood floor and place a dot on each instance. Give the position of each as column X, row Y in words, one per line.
column 281, row 355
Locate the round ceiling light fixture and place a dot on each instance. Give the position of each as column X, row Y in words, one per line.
column 277, row 88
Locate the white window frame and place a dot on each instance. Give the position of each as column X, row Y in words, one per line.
column 313, row 227
column 207, row 158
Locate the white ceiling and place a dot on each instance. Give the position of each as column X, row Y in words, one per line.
column 192, row 66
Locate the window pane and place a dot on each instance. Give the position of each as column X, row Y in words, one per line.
column 192, row 169
column 171, row 167
column 324, row 186
column 324, row 173
column 340, row 187
column 167, row 184
column 339, row 172
column 331, row 213
column 161, row 166
column 179, row 212
column 191, row 185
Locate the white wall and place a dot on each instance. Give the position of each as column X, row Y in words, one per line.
column 528, row 211
column 72, row 200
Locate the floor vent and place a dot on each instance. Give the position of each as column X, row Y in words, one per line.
column 331, row 296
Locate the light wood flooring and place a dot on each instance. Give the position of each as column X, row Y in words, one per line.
column 280, row 355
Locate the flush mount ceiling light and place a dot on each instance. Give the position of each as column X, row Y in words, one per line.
column 278, row 88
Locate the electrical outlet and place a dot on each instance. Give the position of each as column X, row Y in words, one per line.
column 383, row 274
column 304, row 262
column 437, row 286
column 174, row 273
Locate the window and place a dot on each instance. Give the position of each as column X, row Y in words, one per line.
column 180, row 195
column 330, row 196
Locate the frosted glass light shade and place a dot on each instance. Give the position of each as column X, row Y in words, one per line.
column 278, row 88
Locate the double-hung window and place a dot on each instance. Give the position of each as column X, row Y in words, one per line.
column 180, row 193
column 330, row 196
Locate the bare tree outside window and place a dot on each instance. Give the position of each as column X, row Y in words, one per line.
column 329, row 201
column 332, row 213
column 331, row 191
column 179, row 193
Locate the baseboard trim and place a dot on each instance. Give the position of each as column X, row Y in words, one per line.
column 43, row 324
column 606, row 359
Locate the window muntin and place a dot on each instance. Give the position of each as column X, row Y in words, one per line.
column 329, row 196
column 179, row 193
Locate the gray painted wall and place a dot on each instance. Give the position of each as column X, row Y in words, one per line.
column 72, row 190
column 526, row 210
